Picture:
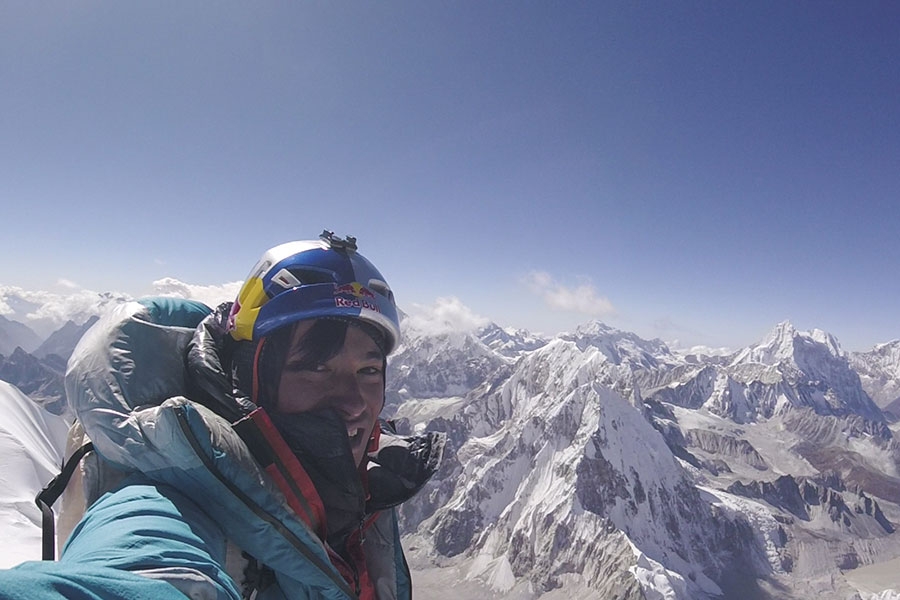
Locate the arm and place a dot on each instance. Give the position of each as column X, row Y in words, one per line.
column 142, row 541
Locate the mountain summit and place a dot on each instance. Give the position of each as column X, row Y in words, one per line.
column 600, row 464
column 603, row 464
column 786, row 343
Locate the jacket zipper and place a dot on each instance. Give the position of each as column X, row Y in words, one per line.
column 359, row 542
column 351, row 565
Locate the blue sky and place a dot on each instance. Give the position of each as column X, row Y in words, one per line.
column 695, row 171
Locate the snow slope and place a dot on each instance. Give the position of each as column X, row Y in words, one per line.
column 599, row 464
column 600, row 460
column 31, row 449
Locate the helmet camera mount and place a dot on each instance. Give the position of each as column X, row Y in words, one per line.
column 347, row 244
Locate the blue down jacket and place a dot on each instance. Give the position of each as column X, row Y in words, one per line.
column 191, row 487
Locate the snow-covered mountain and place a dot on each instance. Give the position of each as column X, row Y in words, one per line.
column 879, row 371
column 509, row 342
column 40, row 374
column 63, row 341
column 787, row 369
column 31, row 448
column 561, row 478
column 16, row 335
column 45, row 312
column 450, row 364
column 40, row 379
column 620, row 347
column 601, row 463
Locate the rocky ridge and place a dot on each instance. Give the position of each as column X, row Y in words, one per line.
column 879, row 370
column 40, row 379
column 600, row 451
column 601, row 461
column 16, row 335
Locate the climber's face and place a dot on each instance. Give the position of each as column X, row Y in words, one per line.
column 350, row 381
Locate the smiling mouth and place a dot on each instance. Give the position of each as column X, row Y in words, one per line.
column 355, row 435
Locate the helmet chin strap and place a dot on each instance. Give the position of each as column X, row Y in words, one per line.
column 255, row 390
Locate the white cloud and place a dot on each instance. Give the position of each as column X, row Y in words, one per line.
column 46, row 311
column 583, row 299
column 67, row 283
column 671, row 331
column 446, row 315
column 211, row 295
column 703, row 350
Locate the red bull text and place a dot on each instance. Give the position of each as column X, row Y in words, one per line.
column 355, row 295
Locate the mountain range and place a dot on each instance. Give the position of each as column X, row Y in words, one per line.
column 14, row 334
column 597, row 464
column 39, row 374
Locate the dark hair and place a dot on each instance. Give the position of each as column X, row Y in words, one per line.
column 319, row 344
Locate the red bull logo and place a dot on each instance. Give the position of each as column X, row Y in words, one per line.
column 355, row 295
column 354, row 289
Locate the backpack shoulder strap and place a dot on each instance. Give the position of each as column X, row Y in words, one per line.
column 50, row 494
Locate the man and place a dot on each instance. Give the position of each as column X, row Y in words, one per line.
column 247, row 441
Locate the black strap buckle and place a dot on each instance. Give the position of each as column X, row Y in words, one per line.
column 50, row 494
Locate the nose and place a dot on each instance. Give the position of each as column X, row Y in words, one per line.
column 347, row 398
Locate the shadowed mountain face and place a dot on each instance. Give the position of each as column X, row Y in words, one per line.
column 40, row 379
column 16, row 335
column 63, row 341
column 599, row 457
column 40, row 374
column 788, row 369
column 601, row 463
column 879, row 370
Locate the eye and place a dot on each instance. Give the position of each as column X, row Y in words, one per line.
column 371, row 370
